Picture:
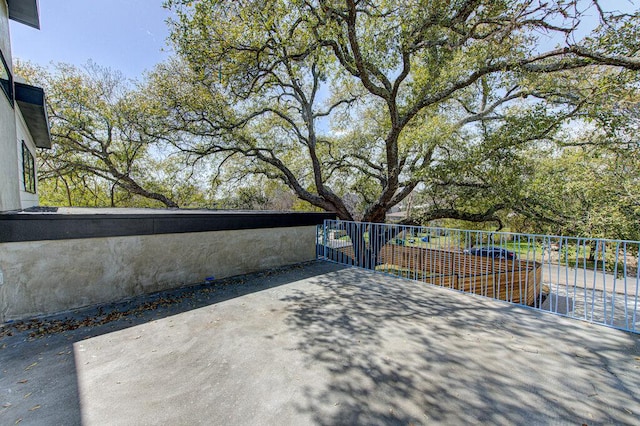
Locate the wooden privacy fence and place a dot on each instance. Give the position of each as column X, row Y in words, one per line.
column 517, row 281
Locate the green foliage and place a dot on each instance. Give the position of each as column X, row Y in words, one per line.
column 102, row 154
column 590, row 192
column 354, row 105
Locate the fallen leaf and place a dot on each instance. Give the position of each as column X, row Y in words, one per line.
column 23, row 381
column 31, row 366
column 17, row 421
column 27, row 395
column 34, row 408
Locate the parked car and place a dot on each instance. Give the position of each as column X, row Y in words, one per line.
column 494, row 252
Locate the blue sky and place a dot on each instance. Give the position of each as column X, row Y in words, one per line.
column 125, row 35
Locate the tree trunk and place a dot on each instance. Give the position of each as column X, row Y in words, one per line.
column 367, row 240
column 593, row 248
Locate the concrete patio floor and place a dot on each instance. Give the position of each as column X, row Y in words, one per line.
column 326, row 345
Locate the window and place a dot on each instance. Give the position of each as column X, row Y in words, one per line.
column 6, row 80
column 28, row 170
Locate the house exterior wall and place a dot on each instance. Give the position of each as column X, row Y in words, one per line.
column 44, row 277
column 5, row 42
column 27, row 199
column 9, row 191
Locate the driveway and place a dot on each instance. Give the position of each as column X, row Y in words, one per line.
column 596, row 280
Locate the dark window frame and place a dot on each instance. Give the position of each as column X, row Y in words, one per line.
column 28, row 170
column 7, row 84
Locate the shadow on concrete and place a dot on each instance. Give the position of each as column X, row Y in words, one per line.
column 38, row 367
column 325, row 345
column 397, row 352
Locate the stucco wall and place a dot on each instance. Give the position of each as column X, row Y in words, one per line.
column 9, row 193
column 5, row 41
column 42, row 277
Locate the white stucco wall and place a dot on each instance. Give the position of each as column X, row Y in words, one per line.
column 5, row 41
column 9, row 191
column 27, row 199
column 43, row 277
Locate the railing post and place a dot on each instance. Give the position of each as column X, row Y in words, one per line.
column 324, row 239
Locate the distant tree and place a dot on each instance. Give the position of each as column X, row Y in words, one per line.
column 100, row 153
column 246, row 198
column 587, row 191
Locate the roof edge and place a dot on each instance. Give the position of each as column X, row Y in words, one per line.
column 26, row 12
column 33, row 106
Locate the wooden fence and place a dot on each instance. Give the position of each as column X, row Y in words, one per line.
column 516, row 281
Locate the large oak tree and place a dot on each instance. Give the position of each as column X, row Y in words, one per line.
column 333, row 97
